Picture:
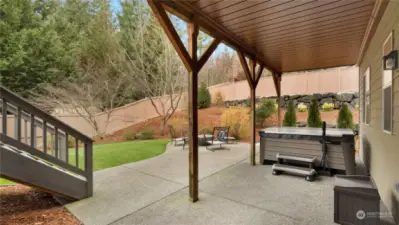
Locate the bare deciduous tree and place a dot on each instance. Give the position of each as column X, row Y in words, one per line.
column 157, row 68
column 96, row 92
column 105, row 81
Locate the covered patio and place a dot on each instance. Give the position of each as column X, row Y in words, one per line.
column 280, row 36
column 231, row 191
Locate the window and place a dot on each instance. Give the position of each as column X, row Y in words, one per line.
column 366, row 98
column 387, row 88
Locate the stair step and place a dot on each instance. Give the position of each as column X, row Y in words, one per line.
column 38, row 159
column 20, row 166
column 296, row 158
column 294, row 169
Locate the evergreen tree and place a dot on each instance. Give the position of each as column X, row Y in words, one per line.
column 204, row 97
column 290, row 115
column 314, row 114
column 71, row 23
column 264, row 111
column 32, row 53
column 345, row 118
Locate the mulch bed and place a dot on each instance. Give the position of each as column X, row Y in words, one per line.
column 210, row 117
column 21, row 205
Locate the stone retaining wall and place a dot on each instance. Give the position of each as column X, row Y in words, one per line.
column 352, row 98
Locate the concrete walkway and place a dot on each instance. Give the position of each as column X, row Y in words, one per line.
column 154, row 191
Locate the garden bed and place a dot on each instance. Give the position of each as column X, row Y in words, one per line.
column 24, row 205
column 209, row 118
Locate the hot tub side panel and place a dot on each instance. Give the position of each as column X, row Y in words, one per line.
column 271, row 146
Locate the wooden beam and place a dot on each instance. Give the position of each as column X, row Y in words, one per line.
column 275, row 78
column 170, row 31
column 185, row 11
column 245, row 68
column 258, row 74
column 376, row 15
column 252, row 67
column 204, row 58
column 193, row 30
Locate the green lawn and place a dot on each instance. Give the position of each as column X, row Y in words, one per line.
column 110, row 155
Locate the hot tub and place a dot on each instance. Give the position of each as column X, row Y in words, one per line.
column 307, row 142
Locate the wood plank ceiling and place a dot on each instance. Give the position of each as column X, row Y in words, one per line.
column 294, row 35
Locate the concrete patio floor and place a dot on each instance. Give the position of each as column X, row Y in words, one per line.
column 154, row 191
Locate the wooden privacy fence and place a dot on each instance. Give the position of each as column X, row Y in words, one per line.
column 343, row 79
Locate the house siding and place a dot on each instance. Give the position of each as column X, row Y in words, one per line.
column 380, row 150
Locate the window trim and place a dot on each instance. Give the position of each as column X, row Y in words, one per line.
column 366, row 80
column 390, row 36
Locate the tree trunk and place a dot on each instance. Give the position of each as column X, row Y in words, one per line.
column 163, row 125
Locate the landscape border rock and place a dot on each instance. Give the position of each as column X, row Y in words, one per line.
column 338, row 99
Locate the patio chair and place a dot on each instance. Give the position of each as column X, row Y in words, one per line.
column 231, row 139
column 220, row 136
column 174, row 137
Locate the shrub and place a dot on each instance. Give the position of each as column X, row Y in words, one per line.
column 357, row 106
column 204, row 97
column 247, row 102
column 146, row 133
column 290, row 115
column 71, row 142
column 327, row 106
column 264, row 111
column 236, row 118
column 179, row 124
column 314, row 114
column 302, row 107
column 130, row 135
column 50, row 140
column 206, row 130
column 218, row 99
column 345, row 118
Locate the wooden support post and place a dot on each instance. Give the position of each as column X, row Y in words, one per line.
column 253, row 79
column 252, row 67
column 253, row 126
column 277, row 86
column 192, row 29
column 88, row 148
column 279, row 99
column 193, row 65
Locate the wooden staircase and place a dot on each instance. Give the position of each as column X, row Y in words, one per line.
column 34, row 150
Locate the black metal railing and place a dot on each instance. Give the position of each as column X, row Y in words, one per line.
column 55, row 141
